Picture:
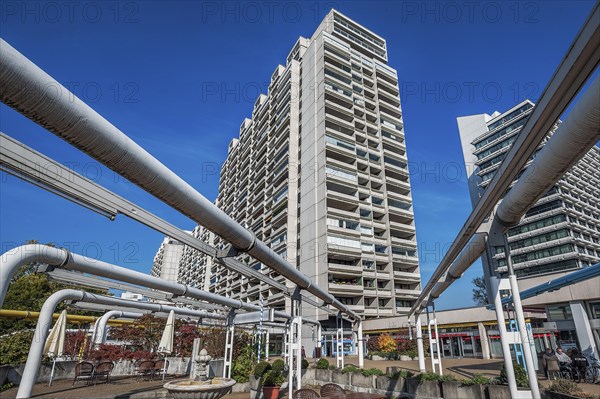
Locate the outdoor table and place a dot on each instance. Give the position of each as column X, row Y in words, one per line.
column 357, row 395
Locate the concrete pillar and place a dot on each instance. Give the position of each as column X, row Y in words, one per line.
column 485, row 343
column 583, row 329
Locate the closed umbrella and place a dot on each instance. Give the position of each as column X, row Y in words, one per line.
column 55, row 343
column 166, row 342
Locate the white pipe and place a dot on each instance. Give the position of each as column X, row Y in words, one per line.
column 45, row 320
column 361, row 355
column 14, row 258
column 579, row 132
column 525, row 343
column 420, row 350
column 508, row 364
column 101, row 330
column 470, row 253
column 35, row 94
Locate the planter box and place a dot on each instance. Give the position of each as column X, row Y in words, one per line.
column 455, row 390
column 405, row 358
column 429, row 389
column 359, row 380
column 241, row 387
column 498, row 391
column 340, row 378
column 389, row 385
column 323, row 375
column 254, row 383
column 375, row 357
column 557, row 395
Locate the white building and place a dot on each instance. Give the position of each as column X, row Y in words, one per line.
column 320, row 174
column 558, row 235
column 167, row 258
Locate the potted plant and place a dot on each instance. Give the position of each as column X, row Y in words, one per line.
column 272, row 381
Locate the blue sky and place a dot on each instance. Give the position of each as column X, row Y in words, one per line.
column 179, row 77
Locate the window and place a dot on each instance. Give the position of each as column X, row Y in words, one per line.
column 559, row 312
column 341, row 173
column 342, row 241
column 543, row 253
column 595, row 310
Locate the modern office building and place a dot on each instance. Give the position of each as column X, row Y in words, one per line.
column 559, row 234
column 320, row 174
column 167, row 258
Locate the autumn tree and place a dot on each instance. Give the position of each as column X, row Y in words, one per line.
column 386, row 343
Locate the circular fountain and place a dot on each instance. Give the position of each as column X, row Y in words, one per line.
column 200, row 387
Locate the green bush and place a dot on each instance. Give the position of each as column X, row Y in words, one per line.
column 243, row 365
column 429, row 376
column 273, row 378
column 350, row 369
column 323, row 364
column 14, row 348
column 278, row 365
column 304, row 364
column 447, row 378
column 261, row 368
column 520, row 375
column 372, row 371
column 477, row 379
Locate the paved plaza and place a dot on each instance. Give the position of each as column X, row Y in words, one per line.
column 121, row 388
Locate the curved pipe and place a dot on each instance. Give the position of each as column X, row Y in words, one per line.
column 100, row 330
column 579, row 132
column 13, row 259
column 71, row 261
column 35, row 94
column 45, row 320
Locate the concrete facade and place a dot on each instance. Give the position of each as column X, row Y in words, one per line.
column 167, row 258
column 320, row 173
column 559, row 234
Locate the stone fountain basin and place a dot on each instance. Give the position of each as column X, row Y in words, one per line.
column 190, row 389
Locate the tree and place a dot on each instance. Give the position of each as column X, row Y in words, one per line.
column 480, row 291
column 387, row 343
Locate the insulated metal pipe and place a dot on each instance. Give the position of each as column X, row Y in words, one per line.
column 100, row 330
column 579, row 132
column 45, row 320
column 10, row 261
column 470, row 253
column 35, row 94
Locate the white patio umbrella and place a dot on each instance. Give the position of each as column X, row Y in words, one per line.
column 55, row 343
column 166, row 342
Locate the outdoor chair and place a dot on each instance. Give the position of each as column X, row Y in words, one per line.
column 305, row 394
column 103, row 369
column 159, row 366
column 331, row 389
column 145, row 369
column 83, row 370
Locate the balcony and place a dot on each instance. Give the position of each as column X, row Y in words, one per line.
column 371, row 311
column 404, row 293
column 346, row 269
column 406, row 276
column 345, row 288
